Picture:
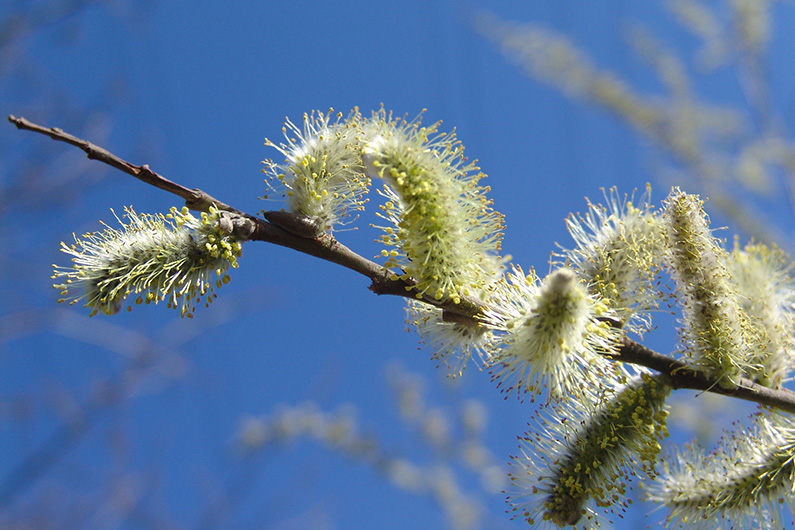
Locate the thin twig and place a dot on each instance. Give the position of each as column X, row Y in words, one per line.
column 195, row 199
column 470, row 311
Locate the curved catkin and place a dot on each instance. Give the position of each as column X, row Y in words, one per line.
column 152, row 257
column 747, row 479
column 587, row 457
column 322, row 175
column 714, row 322
column 442, row 229
column 617, row 254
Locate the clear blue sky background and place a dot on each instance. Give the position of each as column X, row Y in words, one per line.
column 193, row 88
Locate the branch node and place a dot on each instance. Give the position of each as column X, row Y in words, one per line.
column 297, row 224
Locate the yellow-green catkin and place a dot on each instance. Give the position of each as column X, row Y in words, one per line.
column 763, row 276
column 570, row 469
column 553, row 336
column 714, row 323
column 322, row 176
column 442, row 232
column 618, row 256
column 745, row 482
column 153, row 257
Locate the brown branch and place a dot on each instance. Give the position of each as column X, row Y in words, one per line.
column 684, row 376
column 281, row 231
column 195, row 199
column 292, row 231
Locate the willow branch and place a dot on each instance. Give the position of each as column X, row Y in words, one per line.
column 684, row 376
column 282, row 232
column 195, row 199
column 279, row 229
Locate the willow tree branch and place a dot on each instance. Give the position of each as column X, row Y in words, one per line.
column 195, row 199
column 280, row 229
column 281, row 232
column 684, row 376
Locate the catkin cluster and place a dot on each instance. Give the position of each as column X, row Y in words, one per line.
column 555, row 337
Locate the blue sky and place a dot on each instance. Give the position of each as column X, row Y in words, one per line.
column 193, row 89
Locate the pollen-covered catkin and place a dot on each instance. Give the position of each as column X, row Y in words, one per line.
column 442, row 230
column 151, row 256
column 763, row 277
column 584, row 454
column 322, row 176
column 746, row 482
column 713, row 320
column 617, row 254
column 553, row 335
